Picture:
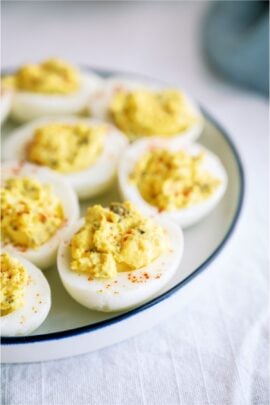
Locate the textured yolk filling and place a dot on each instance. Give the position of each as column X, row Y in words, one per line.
column 142, row 112
column 50, row 77
column 115, row 239
column 30, row 212
column 66, row 148
column 173, row 180
column 4, row 89
column 13, row 281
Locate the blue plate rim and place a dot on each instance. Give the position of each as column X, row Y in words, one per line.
column 98, row 325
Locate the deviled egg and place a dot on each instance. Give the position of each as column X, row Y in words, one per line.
column 146, row 110
column 37, row 207
column 85, row 151
column 25, row 298
column 5, row 102
column 116, row 258
column 52, row 87
column 183, row 183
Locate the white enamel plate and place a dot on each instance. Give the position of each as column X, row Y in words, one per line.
column 71, row 329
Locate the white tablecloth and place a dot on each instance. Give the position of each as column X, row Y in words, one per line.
column 216, row 352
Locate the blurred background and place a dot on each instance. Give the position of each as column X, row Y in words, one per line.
column 169, row 39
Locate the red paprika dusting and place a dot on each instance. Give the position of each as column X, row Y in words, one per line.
column 43, row 218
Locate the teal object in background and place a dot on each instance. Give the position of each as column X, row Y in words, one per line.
column 236, row 41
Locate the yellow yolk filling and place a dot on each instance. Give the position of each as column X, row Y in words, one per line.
column 50, row 77
column 30, row 212
column 66, row 148
column 142, row 112
column 4, row 89
column 173, row 180
column 13, row 281
column 115, row 239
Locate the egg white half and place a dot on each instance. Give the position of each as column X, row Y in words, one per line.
column 101, row 98
column 121, row 293
column 44, row 255
column 5, row 104
column 87, row 182
column 185, row 217
column 27, row 106
column 37, row 297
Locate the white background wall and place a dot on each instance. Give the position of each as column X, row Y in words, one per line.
column 158, row 38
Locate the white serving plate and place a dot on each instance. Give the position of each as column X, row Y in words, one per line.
column 71, row 329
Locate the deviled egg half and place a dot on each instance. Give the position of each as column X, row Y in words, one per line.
column 5, row 102
column 85, row 151
column 25, row 298
column 37, row 207
column 116, row 258
column 182, row 183
column 52, row 87
column 147, row 109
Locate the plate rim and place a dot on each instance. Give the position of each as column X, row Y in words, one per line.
column 47, row 337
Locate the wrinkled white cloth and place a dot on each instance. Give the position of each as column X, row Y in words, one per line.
column 216, row 351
